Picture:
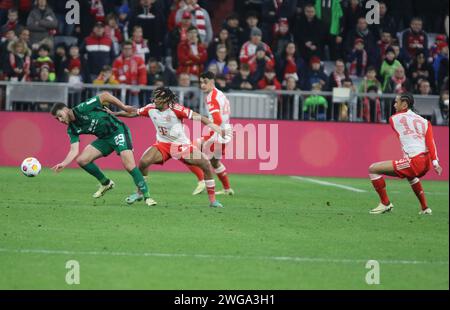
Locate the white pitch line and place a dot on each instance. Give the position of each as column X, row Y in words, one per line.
column 349, row 188
column 215, row 257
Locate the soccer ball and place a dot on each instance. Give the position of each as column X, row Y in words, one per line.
column 30, row 167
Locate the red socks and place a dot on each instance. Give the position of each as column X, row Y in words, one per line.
column 418, row 190
column 197, row 171
column 210, row 188
column 380, row 186
column 223, row 177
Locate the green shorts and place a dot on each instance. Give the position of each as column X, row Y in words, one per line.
column 119, row 141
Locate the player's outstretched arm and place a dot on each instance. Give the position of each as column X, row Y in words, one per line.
column 106, row 98
column 122, row 113
column 73, row 153
column 205, row 121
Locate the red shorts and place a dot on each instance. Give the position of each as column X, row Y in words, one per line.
column 410, row 168
column 169, row 150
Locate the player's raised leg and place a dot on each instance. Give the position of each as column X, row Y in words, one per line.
column 221, row 172
column 376, row 172
column 199, row 160
column 86, row 161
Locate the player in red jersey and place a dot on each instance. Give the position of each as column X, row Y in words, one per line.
column 172, row 142
column 416, row 138
column 219, row 113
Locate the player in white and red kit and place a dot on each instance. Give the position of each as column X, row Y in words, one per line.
column 219, row 113
column 416, row 138
column 167, row 117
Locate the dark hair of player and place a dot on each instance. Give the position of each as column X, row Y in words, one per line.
column 208, row 75
column 56, row 107
column 409, row 98
column 166, row 95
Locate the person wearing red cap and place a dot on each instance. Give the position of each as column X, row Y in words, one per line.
column 314, row 74
column 440, row 64
column 358, row 59
column 178, row 35
column 269, row 81
column 281, row 36
column 434, row 49
column 200, row 19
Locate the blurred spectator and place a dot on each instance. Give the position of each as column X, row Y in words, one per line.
column 178, row 35
column 10, row 37
column 351, row 15
column 310, row 33
column 444, row 106
column 286, row 106
column 358, row 59
column 130, row 69
column 248, row 50
column 243, row 81
column 59, row 7
column 421, row 69
column 390, row 64
column 434, row 49
column 176, row 5
column 12, row 23
column 222, row 39
column 362, row 32
column 75, row 79
column 151, row 18
column 140, row 45
column 440, row 64
column 24, row 35
column 61, row 62
column 233, row 69
column 288, row 63
column 415, row 39
column 314, row 75
column 200, row 19
column 272, row 11
column 157, row 71
column 330, row 13
column 399, row 83
column 371, row 109
column 259, row 63
column 221, row 83
column 159, row 82
column 191, row 55
column 190, row 99
column 315, row 106
column 269, row 81
column 113, row 32
column 106, row 76
column 220, row 60
column 43, row 60
column 370, row 80
column 124, row 12
column 387, row 23
column 98, row 50
column 42, row 24
column 424, row 88
column 4, row 7
column 74, row 59
column 347, row 110
column 384, row 43
column 281, row 36
column 44, row 74
column 338, row 75
column 251, row 22
column 235, row 34
column 18, row 63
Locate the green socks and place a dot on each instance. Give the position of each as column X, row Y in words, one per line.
column 140, row 182
column 93, row 170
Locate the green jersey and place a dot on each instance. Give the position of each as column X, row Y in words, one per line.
column 92, row 119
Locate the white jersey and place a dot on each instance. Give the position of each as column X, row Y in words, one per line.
column 218, row 108
column 415, row 134
column 168, row 123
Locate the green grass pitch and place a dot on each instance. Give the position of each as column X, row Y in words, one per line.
column 275, row 233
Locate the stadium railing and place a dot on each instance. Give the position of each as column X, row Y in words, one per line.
column 341, row 105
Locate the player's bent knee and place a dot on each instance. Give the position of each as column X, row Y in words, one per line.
column 81, row 161
column 373, row 168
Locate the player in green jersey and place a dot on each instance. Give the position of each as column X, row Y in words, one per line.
column 90, row 117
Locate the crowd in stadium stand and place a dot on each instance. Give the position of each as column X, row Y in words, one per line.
column 261, row 44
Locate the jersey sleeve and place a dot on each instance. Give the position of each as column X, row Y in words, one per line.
column 74, row 138
column 429, row 141
column 182, row 112
column 89, row 105
column 214, row 111
column 144, row 111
